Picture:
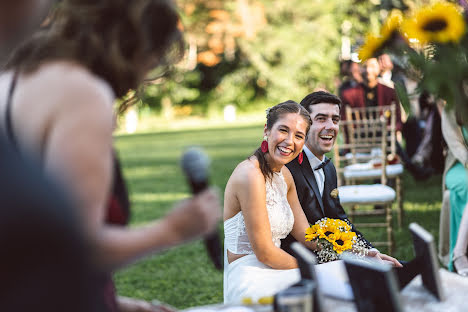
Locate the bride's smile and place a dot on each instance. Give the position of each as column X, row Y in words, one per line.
column 285, row 140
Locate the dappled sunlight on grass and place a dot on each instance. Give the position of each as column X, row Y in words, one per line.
column 150, row 172
column 157, row 197
column 435, row 206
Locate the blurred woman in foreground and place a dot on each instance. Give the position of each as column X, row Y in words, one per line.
column 56, row 101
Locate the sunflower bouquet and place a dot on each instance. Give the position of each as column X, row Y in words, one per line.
column 433, row 40
column 333, row 237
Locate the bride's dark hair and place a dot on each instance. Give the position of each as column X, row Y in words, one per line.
column 273, row 114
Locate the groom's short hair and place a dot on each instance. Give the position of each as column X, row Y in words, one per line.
column 320, row 97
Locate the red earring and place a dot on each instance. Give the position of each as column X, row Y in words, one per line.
column 264, row 145
column 300, row 158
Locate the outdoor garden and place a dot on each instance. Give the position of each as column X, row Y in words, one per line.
column 184, row 276
column 249, row 55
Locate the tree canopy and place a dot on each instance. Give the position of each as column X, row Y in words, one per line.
column 244, row 51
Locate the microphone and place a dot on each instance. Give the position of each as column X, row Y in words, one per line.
column 195, row 164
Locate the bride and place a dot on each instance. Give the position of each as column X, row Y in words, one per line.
column 261, row 208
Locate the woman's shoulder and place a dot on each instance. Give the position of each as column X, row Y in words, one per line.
column 70, row 78
column 62, row 96
column 288, row 178
column 67, row 89
column 247, row 172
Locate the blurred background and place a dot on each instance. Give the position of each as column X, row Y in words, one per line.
column 245, row 55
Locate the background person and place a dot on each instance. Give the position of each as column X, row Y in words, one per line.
column 424, row 141
column 56, row 102
column 351, row 75
column 456, row 181
column 371, row 93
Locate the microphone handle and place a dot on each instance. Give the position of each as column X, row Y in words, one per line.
column 211, row 240
column 213, row 246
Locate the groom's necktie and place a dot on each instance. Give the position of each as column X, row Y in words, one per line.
column 322, row 164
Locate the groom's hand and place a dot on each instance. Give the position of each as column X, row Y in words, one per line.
column 384, row 258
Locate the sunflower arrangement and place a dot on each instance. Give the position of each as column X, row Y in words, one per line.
column 333, row 237
column 434, row 42
column 441, row 22
column 389, row 33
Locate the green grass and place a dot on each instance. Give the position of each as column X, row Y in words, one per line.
column 184, row 276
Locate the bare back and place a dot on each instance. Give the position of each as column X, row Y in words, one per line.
column 62, row 114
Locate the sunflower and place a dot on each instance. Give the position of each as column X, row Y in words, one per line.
column 441, row 22
column 371, row 46
column 343, row 241
column 342, row 225
column 392, row 25
column 328, row 229
column 313, row 232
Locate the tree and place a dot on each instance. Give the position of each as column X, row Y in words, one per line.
column 244, row 51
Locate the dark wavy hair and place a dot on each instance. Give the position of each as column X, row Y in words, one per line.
column 320, row 97
column 117, row 40
column 274, row 113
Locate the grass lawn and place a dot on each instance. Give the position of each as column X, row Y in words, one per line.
column 184, row 276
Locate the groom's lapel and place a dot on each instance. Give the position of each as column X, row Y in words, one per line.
column 310, row 178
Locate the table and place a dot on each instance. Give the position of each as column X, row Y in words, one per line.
column 414, row 298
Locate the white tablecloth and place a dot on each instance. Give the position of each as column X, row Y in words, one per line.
column 414, row 298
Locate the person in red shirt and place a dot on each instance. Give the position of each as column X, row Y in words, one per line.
column 371, row 92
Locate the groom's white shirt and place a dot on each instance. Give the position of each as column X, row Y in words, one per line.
column 319, row 174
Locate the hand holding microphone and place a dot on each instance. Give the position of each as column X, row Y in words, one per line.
column 195, row 164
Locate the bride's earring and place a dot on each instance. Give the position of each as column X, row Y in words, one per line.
column 300, row 157
column 264, row 145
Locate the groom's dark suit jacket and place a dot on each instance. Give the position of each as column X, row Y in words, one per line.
column 315, row 206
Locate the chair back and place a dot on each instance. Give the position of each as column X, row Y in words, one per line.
column 367, row 145
column 388, row 112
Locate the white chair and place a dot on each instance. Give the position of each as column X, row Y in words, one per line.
column 364, row 138
column 394, row 171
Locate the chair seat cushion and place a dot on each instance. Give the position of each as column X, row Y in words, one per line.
column 356, row 171
column 350, row 156
column 361, row 194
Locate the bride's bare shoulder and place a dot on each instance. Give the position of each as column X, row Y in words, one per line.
column 247, row 172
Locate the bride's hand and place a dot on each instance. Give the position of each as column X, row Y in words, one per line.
column 312, row 245
column 384, row 258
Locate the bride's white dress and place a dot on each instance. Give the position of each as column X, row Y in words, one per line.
column 246, row 276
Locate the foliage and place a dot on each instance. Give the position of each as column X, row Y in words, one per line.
column 184, row 276
column 434, row 40
column 293, row 54
column 241, row 52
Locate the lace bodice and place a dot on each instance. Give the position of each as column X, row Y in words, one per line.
column 279, row 214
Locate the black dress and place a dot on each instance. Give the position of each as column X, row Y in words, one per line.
column 118, row 206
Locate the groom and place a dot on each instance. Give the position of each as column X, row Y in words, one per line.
column 315, row 178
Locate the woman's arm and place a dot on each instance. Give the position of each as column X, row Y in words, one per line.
column 453, row 136
column 300, row 219
column 250, row 189
column 77, row 150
